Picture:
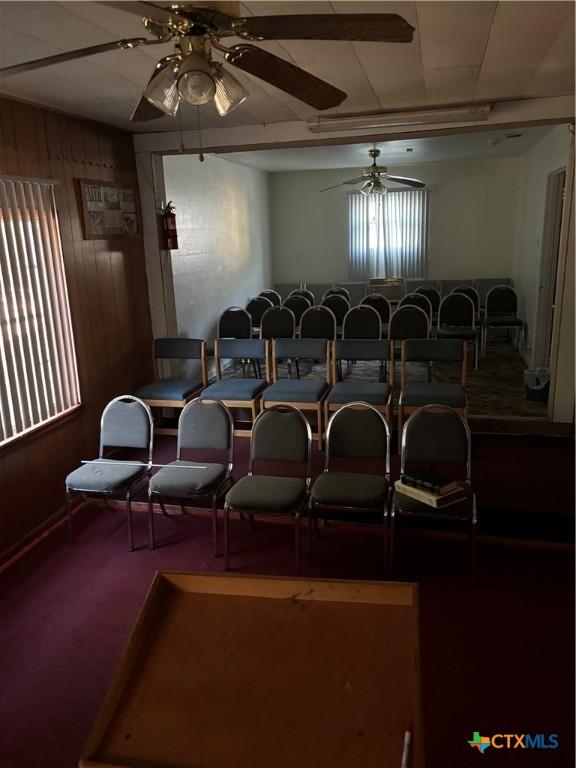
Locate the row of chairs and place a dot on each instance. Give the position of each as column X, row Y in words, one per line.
column 357, row 434
column 320, row 394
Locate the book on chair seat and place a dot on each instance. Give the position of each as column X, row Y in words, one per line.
column 436, row 500
column 432, row 483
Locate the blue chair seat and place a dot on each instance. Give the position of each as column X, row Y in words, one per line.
column 417, row 394
column 234, row 389
column 168, row 389
column 366, row 391
column 104, row 476
column 295, row 391
column 186, row 478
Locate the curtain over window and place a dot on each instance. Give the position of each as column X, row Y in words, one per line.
column 38, row 370
column 388, row 234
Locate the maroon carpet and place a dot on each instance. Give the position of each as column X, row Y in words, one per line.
column 497, row 653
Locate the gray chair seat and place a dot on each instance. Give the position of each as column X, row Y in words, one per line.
column 104, row 476
column 503, row 322
column 267, row 493
column 295, row 391
column 366, row 391
column 458, row 333
column 186, row 478
column 418, row 393
column 350, row 489
column 168, row 389
column 234, row 389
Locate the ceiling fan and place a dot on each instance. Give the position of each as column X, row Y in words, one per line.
column 373, row 176
column 191, row 73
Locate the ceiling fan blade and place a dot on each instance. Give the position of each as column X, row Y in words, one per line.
column 357, row 180
column 376, row 27
column 134, row 42
column 156, row 12
column 145, row 111
column 286, row 76
column 408, row 182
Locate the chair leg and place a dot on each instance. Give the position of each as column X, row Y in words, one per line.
column 151, row 538
column 476, row 355
column 69, row 514
column 297, row 543
column 215, row 543
column 312, row 523
column 130, row 531
column 391, row 543
column 226, row 537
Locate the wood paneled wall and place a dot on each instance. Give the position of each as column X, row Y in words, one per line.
column 109, row 305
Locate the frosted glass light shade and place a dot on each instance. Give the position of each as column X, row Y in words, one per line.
column 162, row 90
column 229, row 92
column 196, row 80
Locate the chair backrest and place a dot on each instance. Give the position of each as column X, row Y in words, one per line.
column 434, row 350
column 179, row 349
column 472, row 293
column 358, row 431
column 278, row 323
column 432, row 294
column 318, row 323
column 338, row 292
column 457, row 309
column 484, row 284
column 206, row 425
column 362, row 322
column 306, row 293
column 274, row 296
column 234, row 323
column 298, row 304
column 380, row 304
column 126, row 423
column 501, row 300
column 281, row 433
column 417, row 300
column 436, row 434
column 447, row 286
column 408, row 322
column 256, row 308
column 240, row 349
column 302, row 349
column 339, row 306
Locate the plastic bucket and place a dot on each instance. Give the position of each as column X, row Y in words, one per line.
column 537, row 383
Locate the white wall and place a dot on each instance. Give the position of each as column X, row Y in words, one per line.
column 548, row 155
column 473, row 216
column 223, row 257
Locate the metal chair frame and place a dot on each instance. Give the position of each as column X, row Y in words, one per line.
column 472, row 326
column 240, row 311
column 361, row 308
column 128, row 488
column 304, row 292
column 409, row 298
column 308, row 480
column 272, row 295
column 520, row 330
column 214, row 492
column 256, row 319
column 336, row 291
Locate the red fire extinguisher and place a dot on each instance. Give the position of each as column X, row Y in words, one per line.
column 169, row 227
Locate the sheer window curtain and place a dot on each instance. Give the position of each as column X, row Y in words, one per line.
column 388, row 234
column 38, row 369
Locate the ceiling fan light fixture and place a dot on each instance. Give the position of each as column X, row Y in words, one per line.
column 373, row 187
column 162, row 90
column 230, row 93
column 196, row 80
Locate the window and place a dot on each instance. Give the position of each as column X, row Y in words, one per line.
column 388, row 234
column 38, row 371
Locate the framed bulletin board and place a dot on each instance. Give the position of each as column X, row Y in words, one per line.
column 108, row 210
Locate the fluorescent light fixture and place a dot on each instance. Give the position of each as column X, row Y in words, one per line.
column 470, row 114
column 162, row 90
column 229, row 92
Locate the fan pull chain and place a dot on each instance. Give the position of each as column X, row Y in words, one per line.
column 200, row 153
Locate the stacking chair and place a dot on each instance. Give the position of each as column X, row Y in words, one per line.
column 337, row 292
column 174, row 392
column 278, row 323
column 298, row 305
column 433, row 296
column 203, row 426
column 377, row 393
column 418, row 300
column 436, row 437
column 256, row 308
column 235, row 392
column 234, row 323
column 126, row 423
column 280, row 434
column 473, row 294
column 382, row 306
column 408, row 322
column 413, row 395
column 457, row 320
column 357, row 432
column 318, row 323
column 361, row 322
column 501, row 311
column 274, row 296
column 306, row 394
column 306, row 293
column 338, row 305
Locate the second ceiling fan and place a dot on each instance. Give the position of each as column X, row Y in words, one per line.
column 373, row 176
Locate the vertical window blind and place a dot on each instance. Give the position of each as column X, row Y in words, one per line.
column 38, row 368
